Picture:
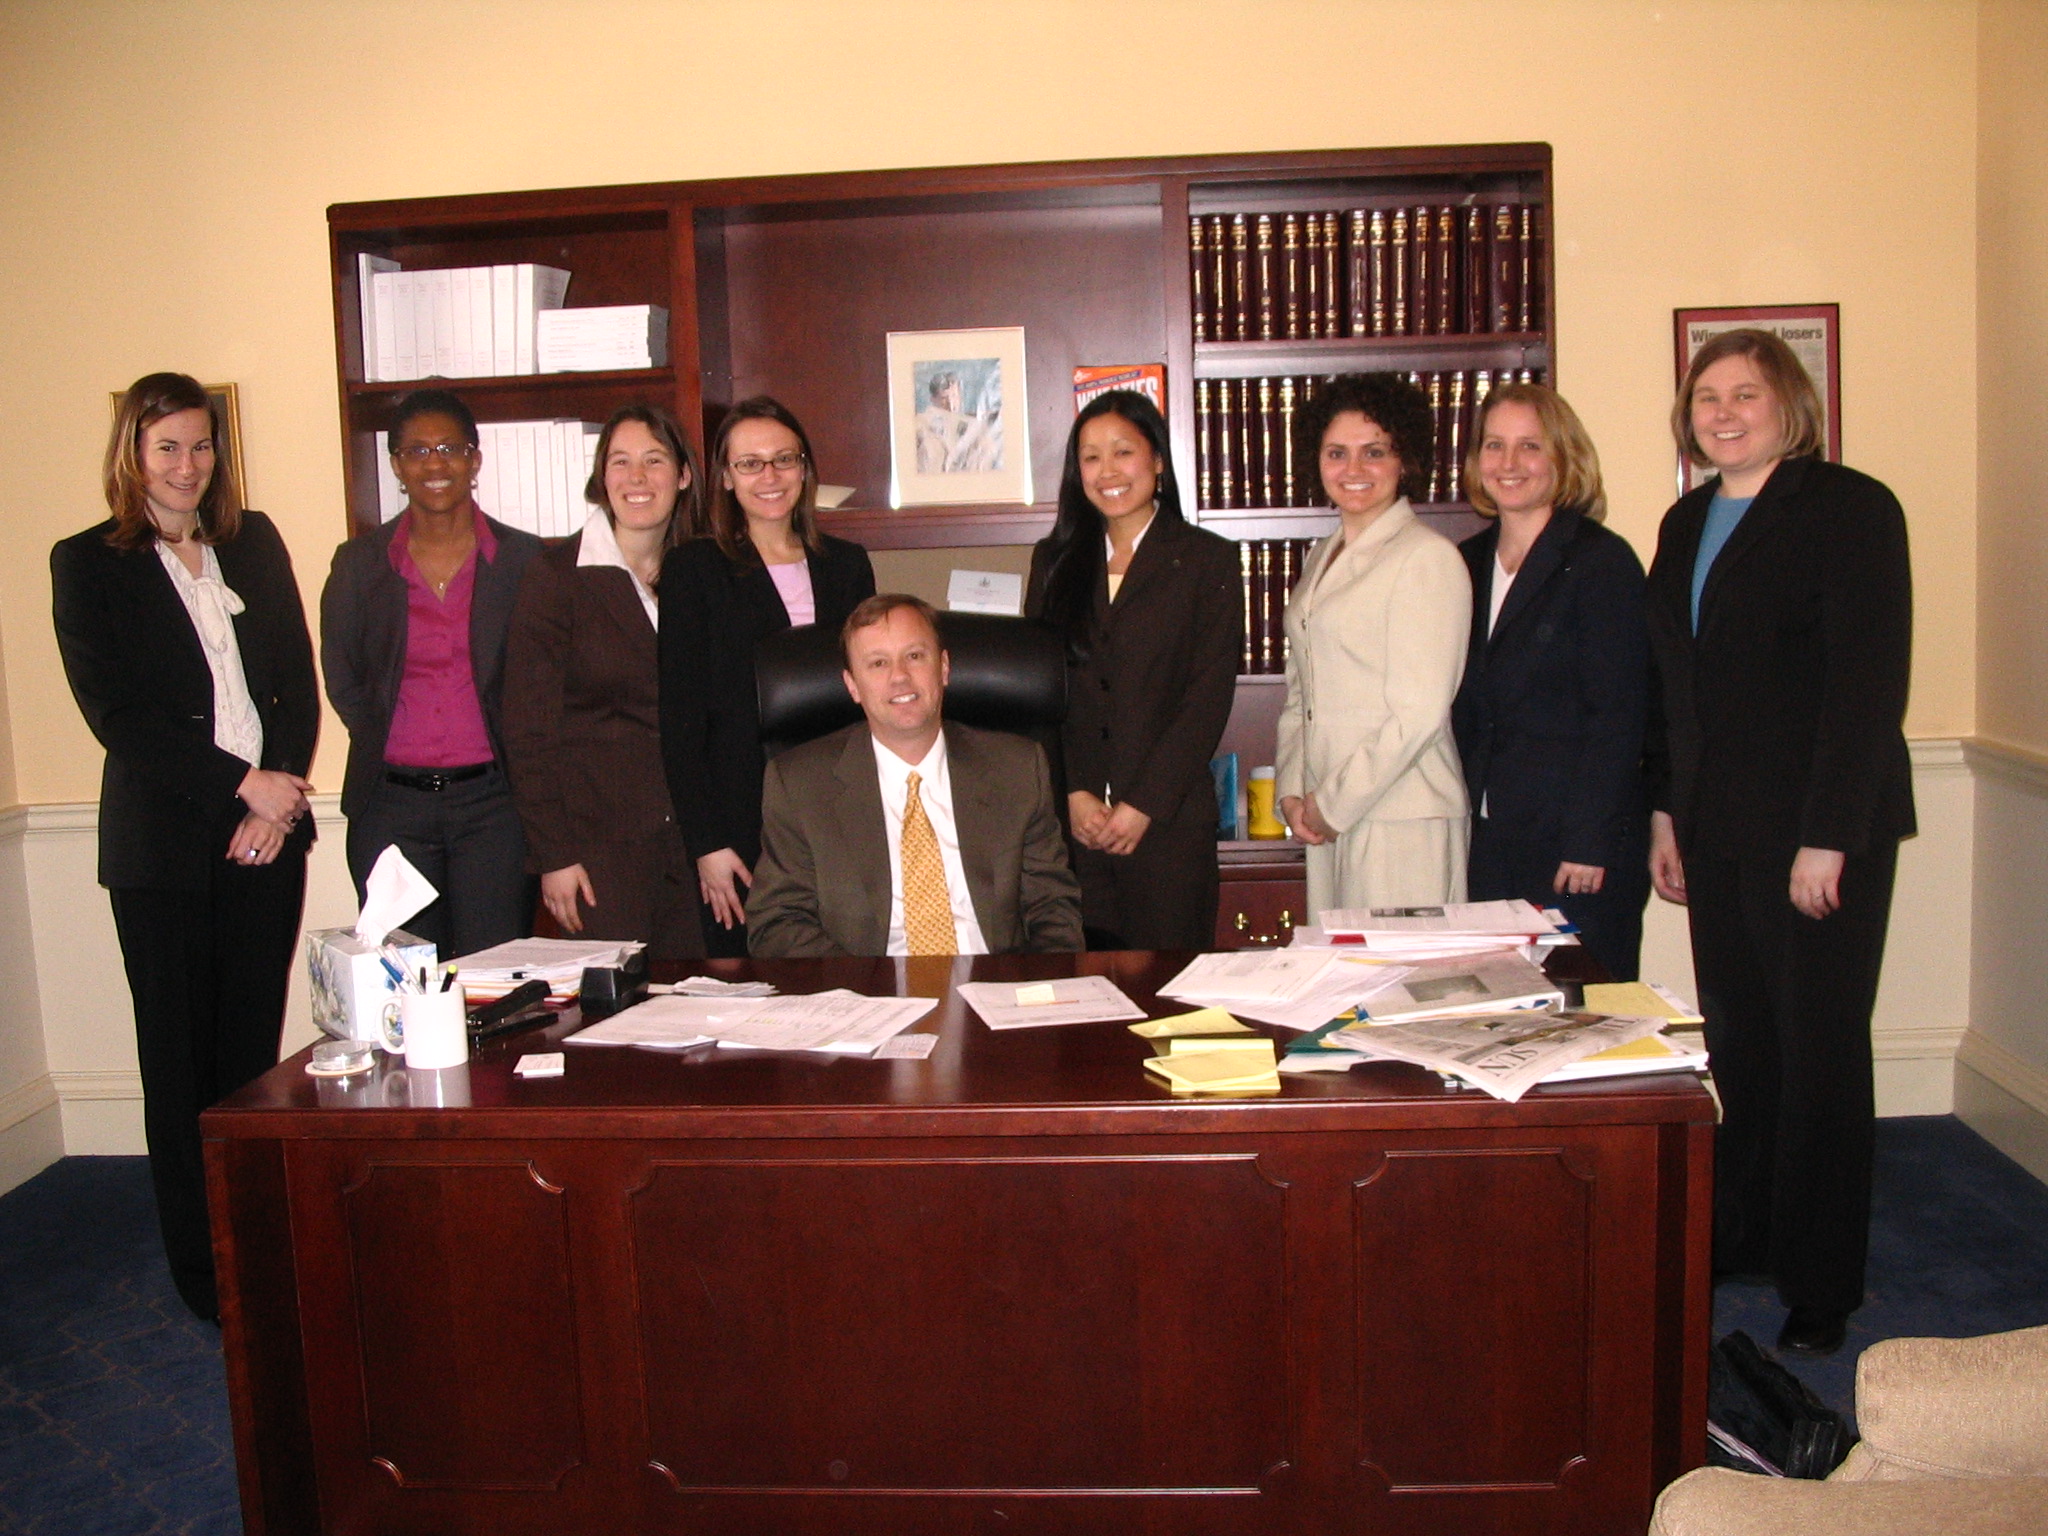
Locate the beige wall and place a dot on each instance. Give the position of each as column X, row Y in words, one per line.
column 2012, row 296
column 1828, row 157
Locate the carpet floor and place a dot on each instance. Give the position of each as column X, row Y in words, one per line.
column 113, row 1405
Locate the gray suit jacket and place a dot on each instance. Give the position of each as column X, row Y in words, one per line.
column 822, row 887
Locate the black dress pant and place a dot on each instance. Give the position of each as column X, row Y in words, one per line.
column 1501, row 865
column 208, row 971
column 1162, row 894
column 466, row 839
column 1787, row 1001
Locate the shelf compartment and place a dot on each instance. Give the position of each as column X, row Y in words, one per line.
column 1446, row 353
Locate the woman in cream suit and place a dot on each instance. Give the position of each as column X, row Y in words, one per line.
column 1368, row 769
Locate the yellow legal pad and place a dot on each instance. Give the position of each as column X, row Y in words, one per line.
column 1635, row 1000
column 1203, row 1021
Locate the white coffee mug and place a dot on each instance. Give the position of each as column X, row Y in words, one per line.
column 433, row 1028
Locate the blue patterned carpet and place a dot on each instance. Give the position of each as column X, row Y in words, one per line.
column 113, row 1408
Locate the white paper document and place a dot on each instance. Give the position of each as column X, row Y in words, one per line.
column 558, row 962
column 1249, row 975
column 662, row 1023
column 1453, row 928
column 907, row 1048
column 1029, row 1004
column 1504, row 1053
column 711, row 986
column 1334, row 982
column 1496, row 983
column 839, row 1022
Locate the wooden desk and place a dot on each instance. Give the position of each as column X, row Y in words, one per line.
column 1016, row 1288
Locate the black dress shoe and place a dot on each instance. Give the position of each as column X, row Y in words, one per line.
column 1813, row 1330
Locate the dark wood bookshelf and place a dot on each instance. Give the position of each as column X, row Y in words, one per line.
column 788, row 285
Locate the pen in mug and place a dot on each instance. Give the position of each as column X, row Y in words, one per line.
column 398, row 977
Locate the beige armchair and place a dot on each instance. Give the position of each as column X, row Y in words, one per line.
column 1955, row 1442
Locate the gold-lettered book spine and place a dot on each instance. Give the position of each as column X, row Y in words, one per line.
column 1198, row 262
column 1244, row 567
column 1265, row 269
column 1332, row 299
column 1240, row 278
column 1310, row 289
column 1205, row 450
column 1290, row 268
column 1397, row 274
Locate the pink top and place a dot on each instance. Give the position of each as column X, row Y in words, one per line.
column 793, row 581
column 438, row 722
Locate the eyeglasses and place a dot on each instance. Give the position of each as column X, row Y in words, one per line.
column 419, row 453
column 753, row 463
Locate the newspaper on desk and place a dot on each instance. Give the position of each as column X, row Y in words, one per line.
column 1496, row 982
column 1303, row 988
column 1032, row 1004
column 1505, row 1054
column 838, row 1023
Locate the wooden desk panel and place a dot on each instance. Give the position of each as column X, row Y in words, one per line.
column 1015, row 1288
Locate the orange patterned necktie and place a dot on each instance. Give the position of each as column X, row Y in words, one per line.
column 927, row 910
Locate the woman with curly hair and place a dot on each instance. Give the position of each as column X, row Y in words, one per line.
column 1368, row 769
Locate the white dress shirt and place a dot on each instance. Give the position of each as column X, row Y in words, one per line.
column 212, row 605
column 935, row 793
column 600, row 546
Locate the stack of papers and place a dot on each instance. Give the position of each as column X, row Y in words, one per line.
column 1506, row 1054
column 1425, row 932
column 1652, row 1053
column 1029, row 1004
column 711, row 986
column 1218, row 1064
column 838, row 1023
column 491, row 973
column 1294, row 988
column 1645, row 999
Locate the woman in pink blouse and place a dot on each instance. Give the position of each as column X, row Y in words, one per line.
column 764, row 568
column 412, row 639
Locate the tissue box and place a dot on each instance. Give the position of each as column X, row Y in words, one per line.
column 349, row 983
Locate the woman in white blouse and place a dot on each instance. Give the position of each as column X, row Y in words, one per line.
column 582, row 704
column 1368, row 771
column 185, row 643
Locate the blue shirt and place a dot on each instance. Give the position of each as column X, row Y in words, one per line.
column 1723, row 514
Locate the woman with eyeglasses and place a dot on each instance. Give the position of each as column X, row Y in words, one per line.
column 179, row 623
column 582, row 710
column 412, row 639
column 764, row 568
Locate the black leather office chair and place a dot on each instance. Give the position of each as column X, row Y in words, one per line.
column 1007, row 675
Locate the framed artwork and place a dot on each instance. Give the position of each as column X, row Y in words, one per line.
column 1812, row 331
column 227, row 406
column 958, row 427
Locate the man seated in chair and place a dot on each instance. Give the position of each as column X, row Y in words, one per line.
column 905, row 835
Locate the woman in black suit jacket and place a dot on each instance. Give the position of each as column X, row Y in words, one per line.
column 1781, row 617
column 764, row 568
column 1149, row 609
column 1549, row 717
column 582, row 709
column 185, row 645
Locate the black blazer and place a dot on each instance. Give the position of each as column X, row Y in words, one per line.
column 714, row 612
column 1550, row 715
column 136, row 667
column 1781, row 725
column 1147, row 706
column 364, row 626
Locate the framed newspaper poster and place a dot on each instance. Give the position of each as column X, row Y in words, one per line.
column 1812, row 331
column 958, row 432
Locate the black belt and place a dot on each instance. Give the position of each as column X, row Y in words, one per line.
column 434, row 780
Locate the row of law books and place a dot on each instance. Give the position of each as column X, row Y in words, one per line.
column 453, row 322
column 1424, row 271
column 1244, row 429
column 1267, row 571
column 532, row 474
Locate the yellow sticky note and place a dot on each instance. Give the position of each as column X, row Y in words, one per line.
column 1634, row 1000
column 1214, row 1073
column 1036, row 995
column 1203, row 1021
column 1238, row 1047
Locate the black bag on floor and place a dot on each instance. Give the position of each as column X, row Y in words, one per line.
column 1762, row 1418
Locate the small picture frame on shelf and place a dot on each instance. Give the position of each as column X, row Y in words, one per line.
column 1812, row 331
column 958, row 427
column 227, row 406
